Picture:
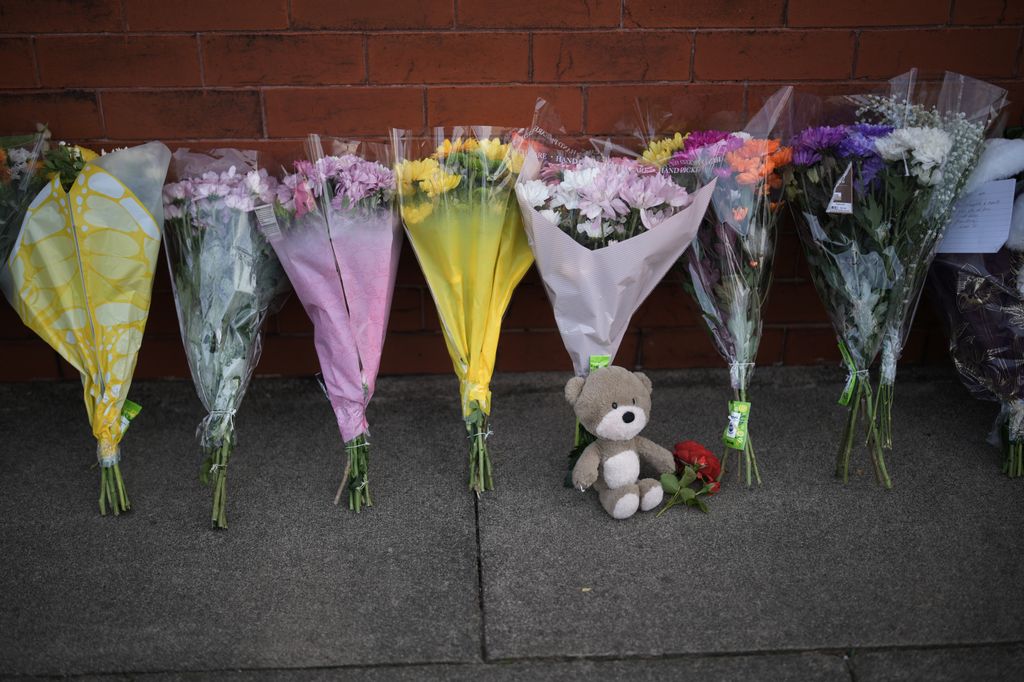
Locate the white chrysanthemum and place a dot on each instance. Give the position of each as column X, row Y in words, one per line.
column 551, row 216
column 591, row 228
column 534, row 193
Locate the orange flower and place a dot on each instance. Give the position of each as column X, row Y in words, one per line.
column 757, row 160
column 739, row 213
column 783, row 157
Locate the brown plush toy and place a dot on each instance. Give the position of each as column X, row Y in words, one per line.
column 614, row 405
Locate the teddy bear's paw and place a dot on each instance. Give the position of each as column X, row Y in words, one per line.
column 626, row 506
column 651, row 498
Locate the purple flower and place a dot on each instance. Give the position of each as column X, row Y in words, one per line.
column 703, row 138
column 860, row 140
column 705, row 144
column 872, row 129
column 809, row 144
column 805, row 157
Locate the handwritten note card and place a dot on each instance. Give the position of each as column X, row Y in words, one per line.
column 981, row 220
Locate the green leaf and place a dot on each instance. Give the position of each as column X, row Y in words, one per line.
column 670, row 483
column 703, row 506
column 689, row 476
column 688, row 494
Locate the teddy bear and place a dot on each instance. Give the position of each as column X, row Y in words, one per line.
column 614, row 405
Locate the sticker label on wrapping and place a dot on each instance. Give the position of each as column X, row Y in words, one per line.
column 129, row 412
column 599, row 361
column 735, row 435
column 268, row 221
column 851, row 377
column 842, row 193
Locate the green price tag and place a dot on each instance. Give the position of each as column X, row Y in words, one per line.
column 851, row 378
column 599, row 361
column 735, row 435
column 129, row 412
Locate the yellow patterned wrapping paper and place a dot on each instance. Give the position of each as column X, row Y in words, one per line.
column 81, row 275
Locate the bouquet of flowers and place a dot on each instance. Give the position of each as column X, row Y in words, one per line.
column 339, row 240
column 729, row 265
column 456, row 198
column 80, row 275
column 21, row 179
column 226, row 280
column 604, row 231
column 982, row 295
column 875, row 197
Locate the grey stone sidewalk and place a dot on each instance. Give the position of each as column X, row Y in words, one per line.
column 803, row 579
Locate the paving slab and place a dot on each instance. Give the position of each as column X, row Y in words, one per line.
column 294, row 582
column 812, row 667
column 803, row 563
column 978, row 664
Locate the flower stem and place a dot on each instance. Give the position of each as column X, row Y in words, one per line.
column 1013, row 466
column 357, row 474
column 849, row 435
column 112, row 491
column 480, row 471
column 218, row 466
column 748, row 450
column 883, row 408
column 874, row 442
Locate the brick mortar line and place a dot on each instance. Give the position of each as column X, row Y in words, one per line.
column 861, row 81
column 754, row 29
column 774, row 29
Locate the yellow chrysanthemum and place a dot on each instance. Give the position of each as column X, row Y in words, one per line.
column 515, row 161
column 659, row 152
column 408, row 173
column 439, row 183
column 417, row 213
column 493, row 149
column 449, row 147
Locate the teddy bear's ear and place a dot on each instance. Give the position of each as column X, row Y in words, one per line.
column 573, row 389
column 644, row 380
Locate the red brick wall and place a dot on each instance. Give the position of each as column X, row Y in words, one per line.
column 264, row 73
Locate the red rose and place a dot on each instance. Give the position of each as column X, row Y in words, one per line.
column 694, row 454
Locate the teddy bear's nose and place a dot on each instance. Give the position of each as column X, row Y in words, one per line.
column 628, row 417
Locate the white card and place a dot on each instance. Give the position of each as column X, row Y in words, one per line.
column 981, row 220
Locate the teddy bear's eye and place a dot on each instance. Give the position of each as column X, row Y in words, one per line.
column 615, row 406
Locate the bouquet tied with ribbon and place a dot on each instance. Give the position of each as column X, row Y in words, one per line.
column 604, row 230
column 729, row 265
column 873, row 197
column 455, row 191
column 339, row 239
column 982, row 296
column 80, row 275
column 226, row 281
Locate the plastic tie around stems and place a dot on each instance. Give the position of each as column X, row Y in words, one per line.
column 207, row 434
column 108, row 453
column 739, row 374
column 1014, row 411
column 860, row 374
column 352, row 448
column 485, row 436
